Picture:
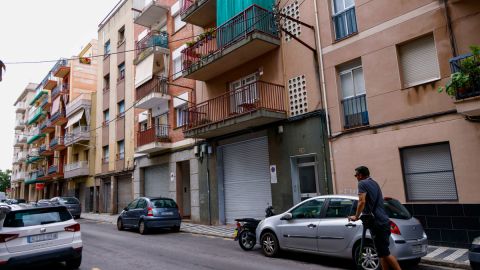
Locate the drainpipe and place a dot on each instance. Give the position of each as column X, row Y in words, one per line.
column 324, row 94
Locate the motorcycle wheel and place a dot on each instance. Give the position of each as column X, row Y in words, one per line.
column 246, row 241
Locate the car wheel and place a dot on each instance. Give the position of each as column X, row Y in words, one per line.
column 270, row 247
column 246, row 240
column 142, row 228
column 175, row 228
column 120, row 225
column 74, row 263
column 369, row 259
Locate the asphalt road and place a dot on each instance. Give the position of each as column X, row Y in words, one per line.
column 105, row 248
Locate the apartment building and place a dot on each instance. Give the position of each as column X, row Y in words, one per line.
column 19, row 169
column 165, row 161
column 114, row 133
column 258, row 116
column 79, row 135
column 383, row 62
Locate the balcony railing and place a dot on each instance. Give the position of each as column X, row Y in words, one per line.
column 355, row 111
column 42, row 149
column 251, row 97
column 39, row 112
column 76, row 166
column 153, row 134
column 77, row 134
column 251, row 20
column 40, row 173
column 56, row 116
column 56, row 92
column 83, row 100
column 186, row 5
column 157, row 84
column 21, row 106
column 20, row 123
column 474, row 89
column 345, row 23
column 61, row 68
column 151, row 40
column 53, row 169
column 56, row 141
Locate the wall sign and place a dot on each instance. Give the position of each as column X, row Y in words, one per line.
column 273, row 174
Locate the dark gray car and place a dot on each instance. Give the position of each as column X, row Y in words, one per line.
column 73, row 205
column 147, row 213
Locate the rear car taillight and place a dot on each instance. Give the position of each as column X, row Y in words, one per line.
column 394, row 228
column 73, row 228
column 150, row 212
column 239, row 225
column 7, row 237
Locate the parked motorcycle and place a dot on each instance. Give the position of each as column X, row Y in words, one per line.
column 245, row 231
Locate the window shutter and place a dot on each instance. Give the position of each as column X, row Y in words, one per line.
column 419, row 61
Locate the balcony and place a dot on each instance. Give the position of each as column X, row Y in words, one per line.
column 151, row 14
column 77, row 169
column 78, row 134
column 37, row 114
column 49, row 82
column 81, row 102
column 19, row 176
column 253, row 105
column 467, row 100
column 153, row 139
column 57, row 144
column 33, row 177
column 19, row 124
column 61, row 68
column 21, row 107
column 44, row 151
column 21, row 156
column 234, row 43
column 55, row 171
column 156, row 43
column 41, row 175
column 33, row 156
column 35, row 135
column 199, row 12
column 38, row 95
column 45, row 104
column 153, row 93
column 355, row 112
column 59, row 118
column 47, row 127
column 20, row 140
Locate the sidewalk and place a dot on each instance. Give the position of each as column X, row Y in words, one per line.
column 442, row 256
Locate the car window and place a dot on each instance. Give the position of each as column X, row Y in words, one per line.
column 141, row 204
column 395, row 209
column 339, row 208
column 133, row 204
column 309, row 209
column 33, row 217
column 69, row 200
column 164, row 203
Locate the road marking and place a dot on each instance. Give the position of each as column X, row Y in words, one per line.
column 436, row 252
column 455, row 255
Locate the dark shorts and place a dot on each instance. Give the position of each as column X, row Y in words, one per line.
column 381, row 239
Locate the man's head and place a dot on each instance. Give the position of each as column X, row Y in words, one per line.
column 362, row 172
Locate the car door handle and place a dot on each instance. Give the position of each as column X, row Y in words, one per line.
column 350, row 225
column 311, row 226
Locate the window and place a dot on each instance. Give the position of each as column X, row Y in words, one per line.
column 419, row 61
column 106, row 83
column 85, row 154
column 105, row 154
column 36, row 217
column 428, row 173
column 178, row 23
column 106, row 116
column 121, row 108
column 121, row 35
column 121, row 71
column 106, row 48
column 133, row 205
column 344, row 19
column 181, row 115
column 177, row 62
column 340, row 208
column 142, row 204
column 143, row 126
column 75, row 157
column 354, row 102
column 309, row 209
column 121, row 149
column 163, row 203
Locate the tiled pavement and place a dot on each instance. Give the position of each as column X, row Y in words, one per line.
column 455, row 257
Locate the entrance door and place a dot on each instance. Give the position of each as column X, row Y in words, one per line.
column 107, row 196
column 244, row 94
column 305, row 178
column 90, row 199
column 183, row 188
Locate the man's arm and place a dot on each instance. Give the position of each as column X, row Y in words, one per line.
column 362, row 198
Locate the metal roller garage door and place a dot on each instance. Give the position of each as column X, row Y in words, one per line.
column 124, row 191
column 157, row 182
column 246, row 179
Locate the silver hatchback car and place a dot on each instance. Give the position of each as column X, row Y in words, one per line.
column 320, row 225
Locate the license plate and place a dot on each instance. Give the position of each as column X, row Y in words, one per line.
column 167, row 213
column 235, row 233
column 42, row 237
column 419, row 248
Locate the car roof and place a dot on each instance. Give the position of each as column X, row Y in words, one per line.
column 158, row 198
column 24, row 206
column 338, row 196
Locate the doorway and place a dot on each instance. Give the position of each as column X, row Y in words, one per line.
column 183, row 188
column 106, row 197
column 305, row 177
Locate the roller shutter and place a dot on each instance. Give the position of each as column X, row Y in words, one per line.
column 157, row 182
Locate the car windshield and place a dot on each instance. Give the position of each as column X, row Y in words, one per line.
column 396, row 210
column 163, row 203
column 69, row 200
column 33, row 217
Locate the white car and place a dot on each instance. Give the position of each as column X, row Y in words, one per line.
column 30, row 234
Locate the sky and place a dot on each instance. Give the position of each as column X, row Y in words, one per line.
column 34, row 30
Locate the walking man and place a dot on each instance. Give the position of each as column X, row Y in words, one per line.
column 370, row 201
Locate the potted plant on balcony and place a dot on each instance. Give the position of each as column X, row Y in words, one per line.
column 467, row 78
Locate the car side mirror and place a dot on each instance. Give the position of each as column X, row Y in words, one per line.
column 125, row 209
column 287, row 216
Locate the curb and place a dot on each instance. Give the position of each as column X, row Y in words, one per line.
column 208, row 234
column 446, row 263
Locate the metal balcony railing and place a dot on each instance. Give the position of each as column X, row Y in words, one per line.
column 56, row 141
column 57, row 115
column 158, row 84
column 186, row 5
column 76, row 166
column 251, row 20
column 153, row 134
column 40, row 173
column 77, row 133
column 82, row 100
column 473, row 90
column 355, row 111
column 60, row 63
column 42, row 149
column 151, row 40
column 249, row 98
column 53, row 169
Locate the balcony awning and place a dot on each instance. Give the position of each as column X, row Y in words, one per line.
column 38, row 95
column 35, row 137
column 32, row 181
column 55, row 106
column 144, row 71
column 75, row 118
